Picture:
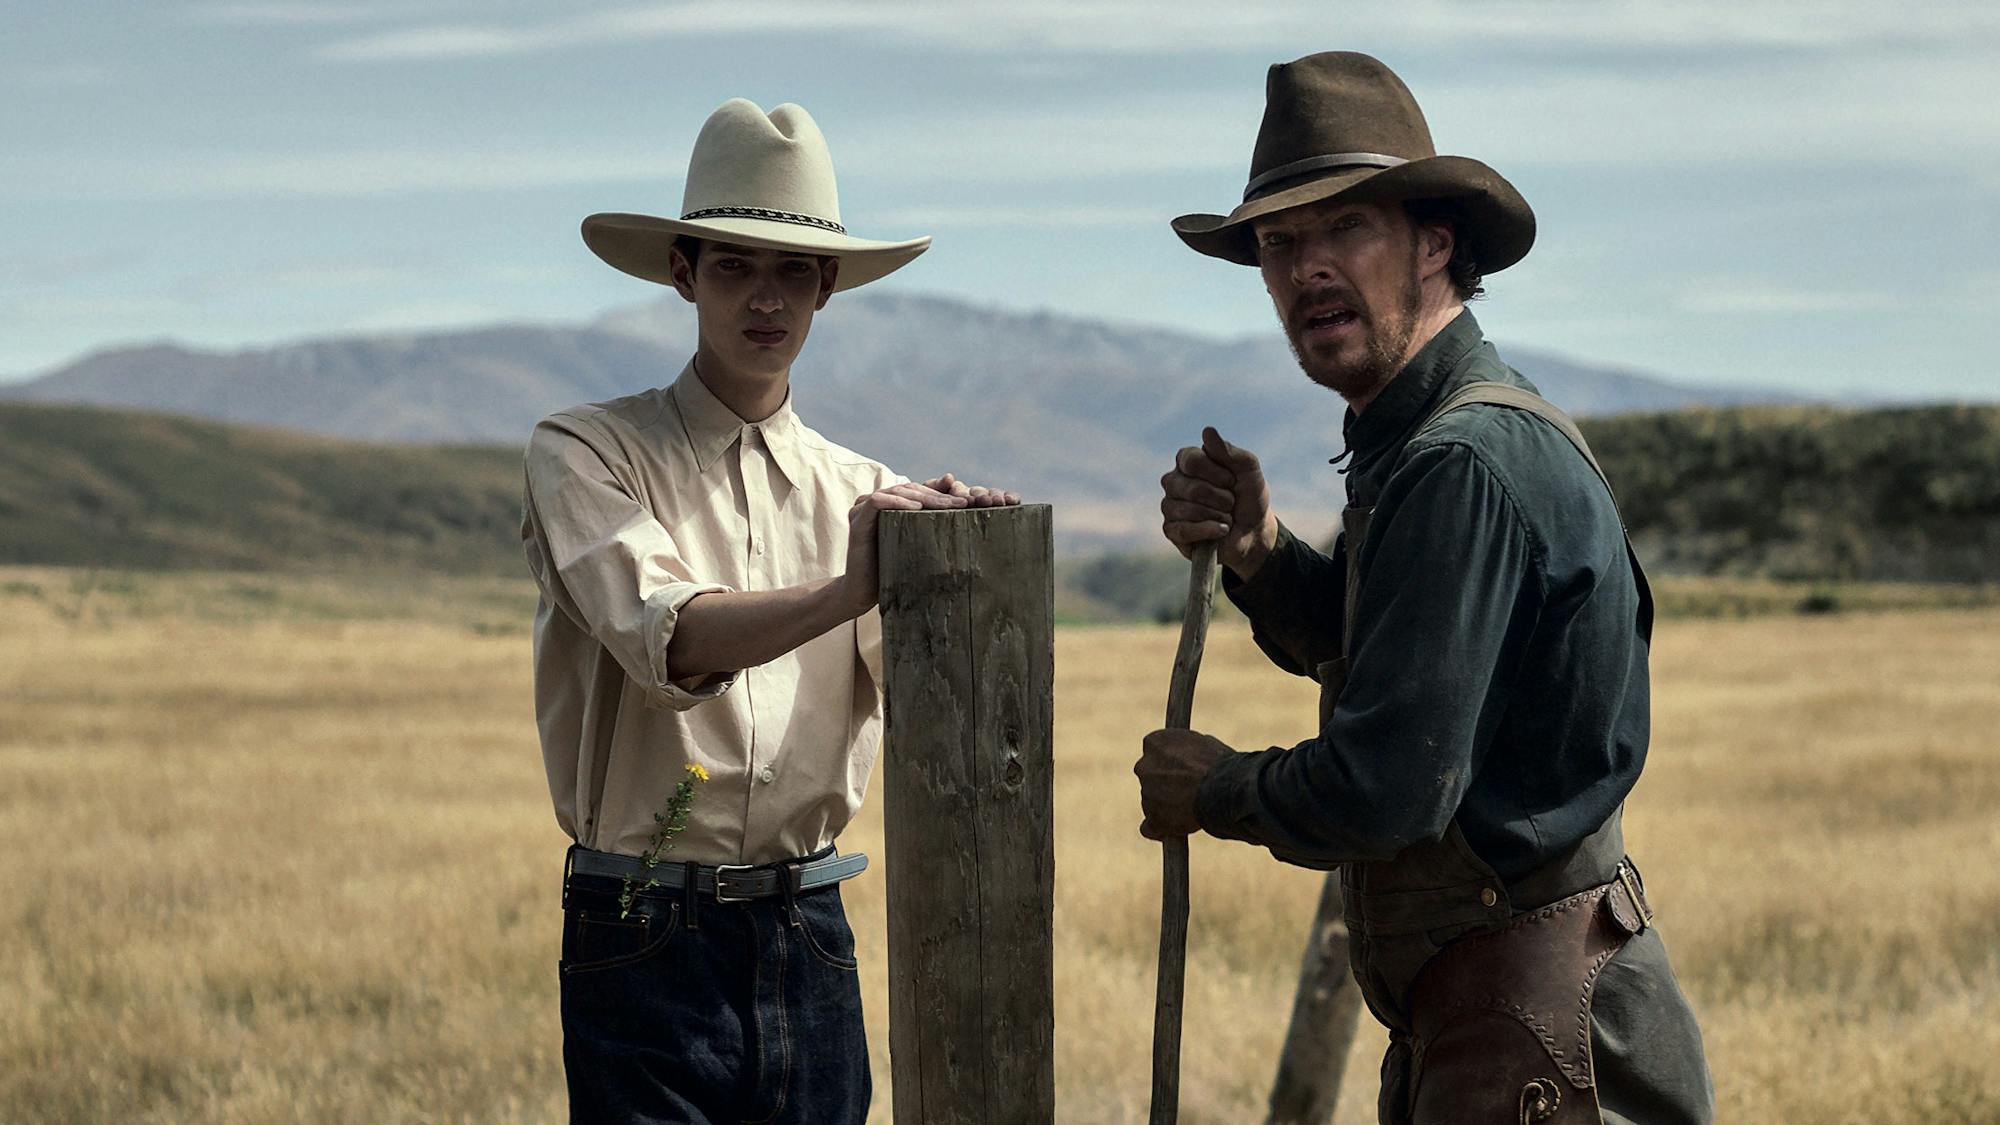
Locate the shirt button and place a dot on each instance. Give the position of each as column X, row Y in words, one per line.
column 1486, row 896
column 757, row 545
column 767, row 773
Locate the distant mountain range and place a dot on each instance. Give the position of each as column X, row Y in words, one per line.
column 1082, row 413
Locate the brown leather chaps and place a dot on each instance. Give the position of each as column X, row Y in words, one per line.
column 1500, row 1022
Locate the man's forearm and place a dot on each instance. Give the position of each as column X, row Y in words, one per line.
column 726, row 632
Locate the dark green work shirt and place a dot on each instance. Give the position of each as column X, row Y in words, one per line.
column 1498, row 672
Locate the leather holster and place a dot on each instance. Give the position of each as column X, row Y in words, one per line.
column 1500, row 1022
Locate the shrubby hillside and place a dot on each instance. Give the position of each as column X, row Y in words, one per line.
column 1797, row 494
column 1908, row 494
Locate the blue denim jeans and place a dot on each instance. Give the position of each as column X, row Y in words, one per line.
column 694, row 1011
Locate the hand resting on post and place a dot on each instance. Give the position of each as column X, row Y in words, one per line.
column 728, row 631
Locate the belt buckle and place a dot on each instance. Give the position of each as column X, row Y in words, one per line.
column 722, row 872
column 1639, row 906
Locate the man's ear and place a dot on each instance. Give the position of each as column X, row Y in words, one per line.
column 1435, row 243
column 829, row 271
column 682, row 272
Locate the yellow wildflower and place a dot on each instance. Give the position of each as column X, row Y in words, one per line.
column 667, row 826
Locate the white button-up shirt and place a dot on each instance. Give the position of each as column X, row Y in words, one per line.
column 635, row 506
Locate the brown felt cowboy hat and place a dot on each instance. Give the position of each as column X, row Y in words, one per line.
column 1340, row 125
column 759, row 180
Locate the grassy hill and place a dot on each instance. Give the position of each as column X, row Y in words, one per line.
column 1801, row 494
column 86, row 486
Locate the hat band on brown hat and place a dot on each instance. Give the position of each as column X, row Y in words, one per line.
column 764, row 213
column 1316, row 163
column 1340, row 125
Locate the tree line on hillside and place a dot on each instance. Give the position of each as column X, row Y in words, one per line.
column 1810, row 493
column 1807, row 494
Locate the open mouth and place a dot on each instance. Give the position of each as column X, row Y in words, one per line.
column 1329, row 323
column 1333, row 319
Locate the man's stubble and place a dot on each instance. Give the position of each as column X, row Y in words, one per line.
column 1387, row 345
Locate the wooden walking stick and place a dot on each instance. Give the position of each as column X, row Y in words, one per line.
column 1174, row 869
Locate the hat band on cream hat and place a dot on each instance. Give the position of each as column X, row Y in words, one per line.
column 764, row 213
column 759, row 180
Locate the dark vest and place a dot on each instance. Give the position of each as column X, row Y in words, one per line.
column 1401, row 912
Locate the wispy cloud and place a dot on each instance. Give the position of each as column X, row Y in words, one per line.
column 1555, row 26
column 40, row 271
column 63, row 76
column 332, row 274
column 1737, row 297
column 297, row 14
column 425, row 316
column 1019, row 216
column 1057, row 146
column 445, row 41
column 1868, row 111
column 340, row 173
column 585, row 29
column 1141, row 26
column 95, row 308
column 1114, row 136
column 1845, row 83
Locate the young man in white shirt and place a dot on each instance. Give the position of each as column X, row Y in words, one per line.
column 707, row 568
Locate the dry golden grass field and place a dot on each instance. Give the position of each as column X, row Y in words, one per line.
column 279, row 850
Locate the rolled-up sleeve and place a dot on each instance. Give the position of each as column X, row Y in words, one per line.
column 605, row 561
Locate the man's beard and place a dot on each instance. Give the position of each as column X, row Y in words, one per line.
column 1386, row 345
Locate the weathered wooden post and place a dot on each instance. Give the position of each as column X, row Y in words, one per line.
column 968, row 780
column 1325, row 1013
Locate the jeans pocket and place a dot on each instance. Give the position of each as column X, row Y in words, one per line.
column 597, row 940
column 827, row 935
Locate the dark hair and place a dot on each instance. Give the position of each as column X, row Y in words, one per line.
column 690, row 248
column 1463, row 267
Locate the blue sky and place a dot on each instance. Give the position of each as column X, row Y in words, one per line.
column 1796, row 195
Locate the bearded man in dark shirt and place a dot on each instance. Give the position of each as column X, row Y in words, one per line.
column 1479, row 633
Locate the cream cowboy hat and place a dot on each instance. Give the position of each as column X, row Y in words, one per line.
column 755, row 180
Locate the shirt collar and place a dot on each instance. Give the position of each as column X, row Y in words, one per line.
column 712, row 427
column 1408, row 397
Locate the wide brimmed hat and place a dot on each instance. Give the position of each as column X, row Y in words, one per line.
column 756, row 180
column 1341, row 125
